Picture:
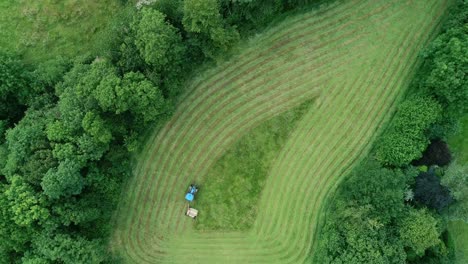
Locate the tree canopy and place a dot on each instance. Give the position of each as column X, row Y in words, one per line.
column 456, row 179
column 406, row 139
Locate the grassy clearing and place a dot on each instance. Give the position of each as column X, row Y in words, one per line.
column 458, row 231
column 356, row 58
column 231, row 189
column 45, row 29
column 458, row 235
column 459, row 142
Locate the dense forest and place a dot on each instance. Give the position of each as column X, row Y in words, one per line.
column 395, row 205
column 70, row 125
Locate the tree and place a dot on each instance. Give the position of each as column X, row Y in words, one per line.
column 381, row 188
column 447, row 60
column 29, row 152
column 437, row 153
column 456, row 179
column 405, row 140
column 65, row 180
column 15, row 87
column 361, row 225
column 25, row 204
column 66, row 248
column 159, row 43
column 13, row 237
column 96, row 127
column 202, row 18
column 419, row 231
column 144, row 99
column 428, row 191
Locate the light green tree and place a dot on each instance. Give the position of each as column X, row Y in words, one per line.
column 456, row 179
column 419, row 231
column 159, row 43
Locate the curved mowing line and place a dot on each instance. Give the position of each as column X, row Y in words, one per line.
column 271, row 37
column 213, row 126
column 318, row 223
column 320, row 189
column 286, row 251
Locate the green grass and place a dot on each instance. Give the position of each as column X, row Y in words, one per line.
column 458, row 231
column 44, row 29
column 232, row 187
column 459, row 142
column 354, row 58
column 458, row 235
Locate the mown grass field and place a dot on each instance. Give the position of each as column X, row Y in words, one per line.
column 354, row 58
column 44, row 29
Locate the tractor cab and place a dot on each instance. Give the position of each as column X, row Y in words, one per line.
column 190, row 195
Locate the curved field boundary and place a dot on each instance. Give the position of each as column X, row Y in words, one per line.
column 354, row 57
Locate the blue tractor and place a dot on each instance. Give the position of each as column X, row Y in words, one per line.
column 192, row 190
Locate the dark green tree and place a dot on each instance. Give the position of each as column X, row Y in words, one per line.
column 437, row 153
column 429, row 192
column 63, row 181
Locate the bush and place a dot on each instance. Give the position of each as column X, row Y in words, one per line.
column 406, row 139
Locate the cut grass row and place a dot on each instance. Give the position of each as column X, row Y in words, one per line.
column 156, row 230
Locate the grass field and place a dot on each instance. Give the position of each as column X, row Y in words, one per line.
column 354, row 58
column 232, row 187
column 459, row 142
column 458, row 231
column 44, row 29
